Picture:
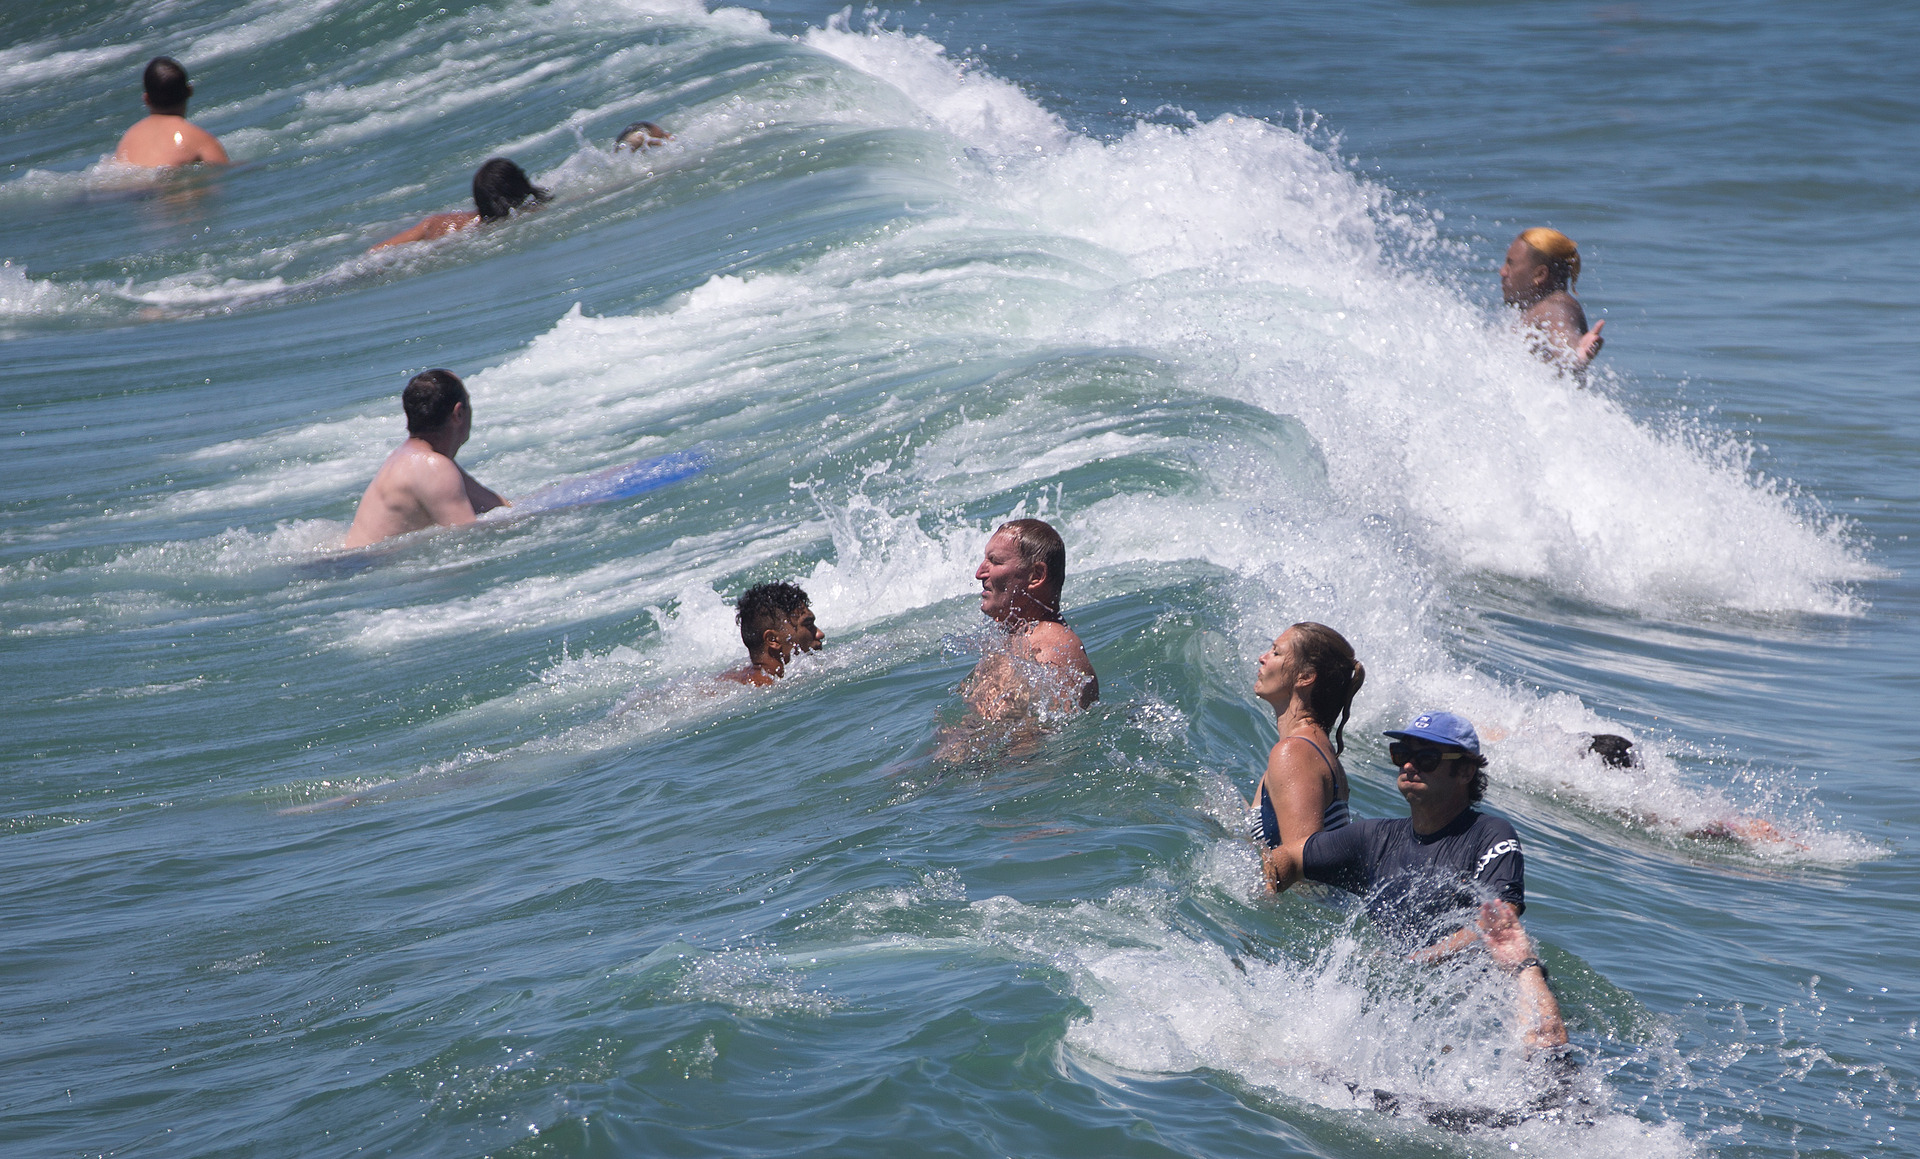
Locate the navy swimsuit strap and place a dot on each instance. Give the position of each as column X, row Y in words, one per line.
column 1335, row 817
column 1316, row 748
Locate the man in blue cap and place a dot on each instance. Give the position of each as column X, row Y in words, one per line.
column 1426, row 872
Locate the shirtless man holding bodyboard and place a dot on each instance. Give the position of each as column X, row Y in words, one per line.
column 420, row 485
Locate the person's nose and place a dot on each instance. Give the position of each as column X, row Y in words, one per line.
column 980, row 572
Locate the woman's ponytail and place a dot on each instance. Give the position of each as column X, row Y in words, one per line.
column 1337, row 677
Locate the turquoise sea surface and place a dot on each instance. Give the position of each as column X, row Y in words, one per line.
column 457, row 850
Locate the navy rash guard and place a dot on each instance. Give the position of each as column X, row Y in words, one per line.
column 1414, row 885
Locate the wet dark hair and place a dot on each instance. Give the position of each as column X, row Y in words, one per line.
column 763, row 606
column 1615, row 750
column 500, row 187
column 1038, row 542
column 1479, row 787
column 430, row 398
column 1337, row 676
column 166, row 84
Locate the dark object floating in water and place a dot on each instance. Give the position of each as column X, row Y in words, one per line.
column 1615, row 750
column 1558, row 1102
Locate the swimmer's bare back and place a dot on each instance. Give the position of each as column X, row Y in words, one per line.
column 751, row 675
column 431, row 228
column 162, row 139
column 418, row 487
column 1560, row 318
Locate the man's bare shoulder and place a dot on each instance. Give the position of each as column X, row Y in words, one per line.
column 416, row 473
column 419, row 464
column 1055, row 643
column 411, row 486
column 161, row 140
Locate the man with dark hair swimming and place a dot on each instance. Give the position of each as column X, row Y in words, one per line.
column 164, row 136
column 500, row 188
column 1424, row 872
column 420, row 485
column 776, row 620
column 1044, row 665
column 1537, row 277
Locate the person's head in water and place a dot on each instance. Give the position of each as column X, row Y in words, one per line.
column 1315, row 662
column 1616, row 751
column 641, row 135
column 433, row 399
column 500, row 187
column 167, row 90
column 1539, row 262
column 1438, row 756
column 776, row 620
column 1024, row 568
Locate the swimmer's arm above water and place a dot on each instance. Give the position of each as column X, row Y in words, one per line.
column 1337, row 857
column 480, row 498
column 1512, row 950
column 1446, row 947
column 1281, row 867
column 1286, row 866
column 1056, row 645
column 1589, row 345
column 437, row 226
column 1297, row 784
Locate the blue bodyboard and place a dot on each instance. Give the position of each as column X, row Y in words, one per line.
column 623, row 482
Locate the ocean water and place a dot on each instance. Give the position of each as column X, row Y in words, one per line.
column 457, row 851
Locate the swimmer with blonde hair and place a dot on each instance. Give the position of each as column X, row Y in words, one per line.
column 1538, row 277
column 641, row 136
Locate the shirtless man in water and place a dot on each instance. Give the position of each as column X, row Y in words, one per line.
column 420, row 485
column 1020, row 581
column 500, row 189
column 1538, row 277
column 776, row 620
column 164, row 136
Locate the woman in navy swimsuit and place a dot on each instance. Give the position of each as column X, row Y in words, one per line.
column 1310, row 677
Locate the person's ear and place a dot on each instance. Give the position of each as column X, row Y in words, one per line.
column 1037, row 577
column 770, row 639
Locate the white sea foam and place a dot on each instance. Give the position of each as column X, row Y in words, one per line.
column 1329, row 1030
column 32, row 62
column 24, row 296
column 1237, row 262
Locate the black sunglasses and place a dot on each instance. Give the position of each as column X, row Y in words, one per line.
column 1423, row 760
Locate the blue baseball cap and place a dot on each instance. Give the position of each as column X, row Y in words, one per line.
column 1441, row 728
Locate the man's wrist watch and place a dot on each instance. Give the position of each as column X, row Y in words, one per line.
column 1527, row 963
